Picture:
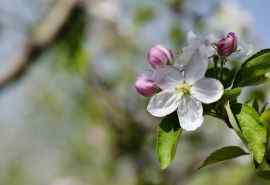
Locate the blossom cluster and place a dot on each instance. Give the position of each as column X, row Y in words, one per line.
column 178, row 82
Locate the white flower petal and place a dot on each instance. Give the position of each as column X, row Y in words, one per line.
column 207, row 90
column 206, row 51
column 191, row 36
column 245, row 50
column 196, row 68
column 190, row 113
column 187, row 52
column 168, row 77
column 185, row 56
column 199, row 47
column 163, row 103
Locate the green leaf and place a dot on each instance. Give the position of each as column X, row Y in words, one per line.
column 168, row 134
column 226, row 153
column 255, row 70
column 253, row 131
column 265, row 117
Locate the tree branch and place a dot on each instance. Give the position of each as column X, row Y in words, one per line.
column 42, row 37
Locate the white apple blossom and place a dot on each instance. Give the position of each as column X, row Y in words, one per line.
column 184, row 87
column 196, row 43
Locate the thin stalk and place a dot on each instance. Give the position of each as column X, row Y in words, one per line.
column 216, row 68
column 222, row 61
column 215, row 61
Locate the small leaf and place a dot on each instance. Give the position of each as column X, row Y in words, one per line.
column 167, row 137
column 265, row 117
column 255, row 70
column 253, row 130
column 223, row 154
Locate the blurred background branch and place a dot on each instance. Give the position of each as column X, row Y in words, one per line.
column 41, row 37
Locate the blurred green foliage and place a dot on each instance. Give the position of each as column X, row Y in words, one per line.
column 176, row 34
column 143, row 15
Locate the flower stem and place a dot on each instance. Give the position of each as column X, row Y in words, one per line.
column 216, row 68
column 222, row 62
column 215, row 60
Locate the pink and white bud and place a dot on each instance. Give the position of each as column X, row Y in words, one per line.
column 146, row 86
column 227, row 45
column 159, row 56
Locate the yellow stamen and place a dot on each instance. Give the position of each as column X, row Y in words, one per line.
column 183, row 88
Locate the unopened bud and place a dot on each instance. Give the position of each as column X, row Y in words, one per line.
column 159, row 56
column 146, row 86
column 227, row 45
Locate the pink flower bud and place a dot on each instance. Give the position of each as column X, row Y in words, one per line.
column 159, row 56
column 227, row 45
column 146, row 86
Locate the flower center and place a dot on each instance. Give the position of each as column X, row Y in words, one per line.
column 183, row 88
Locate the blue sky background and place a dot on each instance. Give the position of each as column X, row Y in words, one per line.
column 260, row 10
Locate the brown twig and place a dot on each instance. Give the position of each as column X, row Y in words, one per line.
column 41, row 38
